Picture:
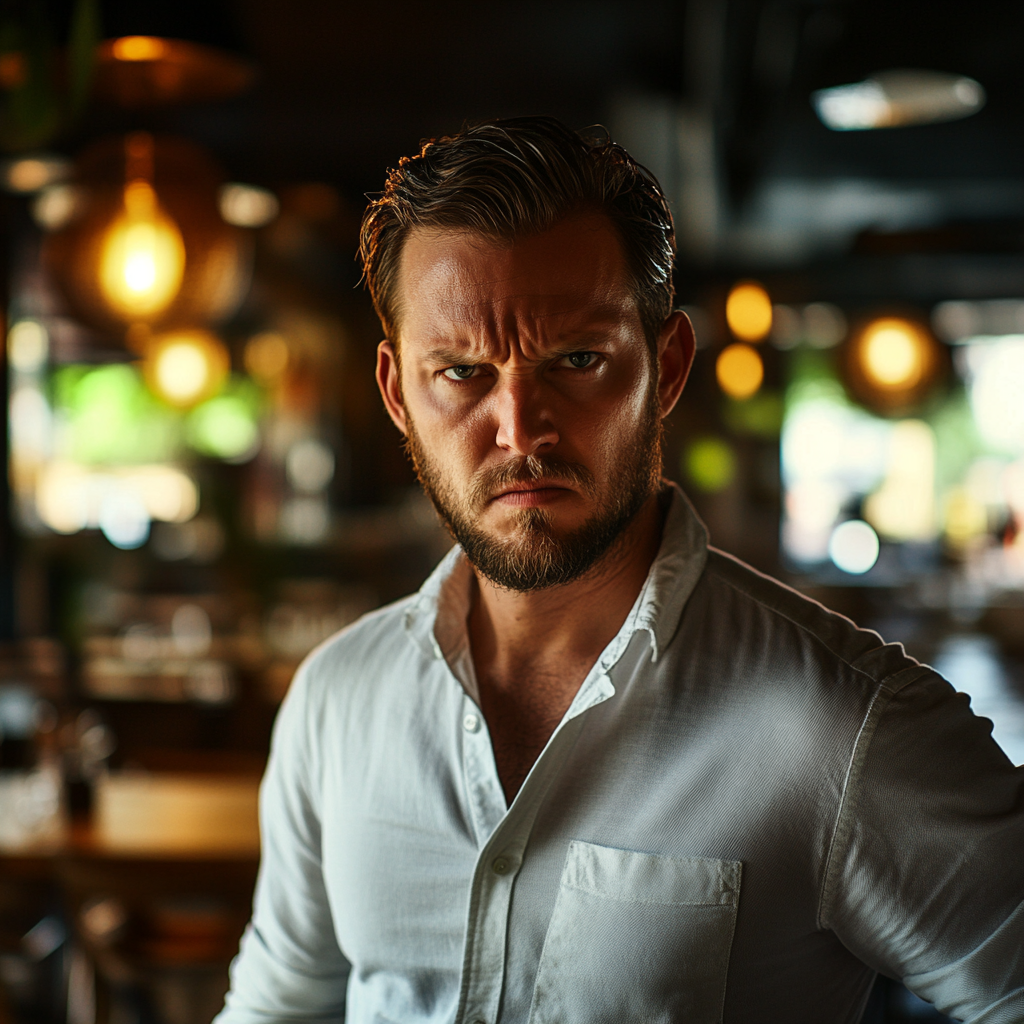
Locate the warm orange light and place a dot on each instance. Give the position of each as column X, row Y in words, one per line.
column 185, row 367
column 28, row 175
column 748, row 311
column 143, row 257
column 739, row 371
column 266, row 356
column 894, row 353
column 139, row 48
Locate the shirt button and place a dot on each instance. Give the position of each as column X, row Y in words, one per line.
column 471, row 722
column 500, row 866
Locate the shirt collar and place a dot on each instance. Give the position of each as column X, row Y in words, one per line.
column 436, row 619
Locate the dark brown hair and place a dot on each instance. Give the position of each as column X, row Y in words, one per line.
column 515, row 177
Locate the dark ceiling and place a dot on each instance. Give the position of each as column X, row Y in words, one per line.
column 344, row 89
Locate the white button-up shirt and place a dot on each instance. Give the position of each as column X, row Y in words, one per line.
column 750, row 807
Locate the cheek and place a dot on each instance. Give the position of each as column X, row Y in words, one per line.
column 602, row 425
column 455, row 438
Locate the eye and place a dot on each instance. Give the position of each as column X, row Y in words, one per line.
column 463, row 372
column 581, row 360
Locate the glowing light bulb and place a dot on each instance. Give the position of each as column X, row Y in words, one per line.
column 748, row 311
column 739, row 371
column 143, row 257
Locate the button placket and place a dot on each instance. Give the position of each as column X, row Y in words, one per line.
column 487, row 933
column 483, row 788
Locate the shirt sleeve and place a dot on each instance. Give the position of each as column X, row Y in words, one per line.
column 289, row 966
column 925, row 878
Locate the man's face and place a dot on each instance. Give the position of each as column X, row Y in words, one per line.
column 527, row 393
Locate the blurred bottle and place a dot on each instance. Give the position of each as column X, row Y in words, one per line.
column 87, row 743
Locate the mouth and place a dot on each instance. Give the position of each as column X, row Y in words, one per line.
column 532, row 493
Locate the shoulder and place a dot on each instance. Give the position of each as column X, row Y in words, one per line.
column 758, row 613
column 365, row 650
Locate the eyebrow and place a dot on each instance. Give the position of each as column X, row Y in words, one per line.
column 454, row 357
column 572, row 340
column 577, row 341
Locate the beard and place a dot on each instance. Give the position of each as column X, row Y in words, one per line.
column 534, row 556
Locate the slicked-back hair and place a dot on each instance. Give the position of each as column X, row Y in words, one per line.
column 507, row 179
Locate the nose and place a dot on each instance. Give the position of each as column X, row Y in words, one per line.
column 524, row 418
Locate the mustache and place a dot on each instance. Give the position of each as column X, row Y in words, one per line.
column 526, row 470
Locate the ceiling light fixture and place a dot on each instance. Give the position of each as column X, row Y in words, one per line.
column 892, row 364
column 137, row 240
column 894, row 99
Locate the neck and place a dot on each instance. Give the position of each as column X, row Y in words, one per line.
column 569, row 623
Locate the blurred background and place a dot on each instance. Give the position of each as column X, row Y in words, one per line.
column 202, row 485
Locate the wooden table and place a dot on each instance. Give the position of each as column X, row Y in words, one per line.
column 159, row 879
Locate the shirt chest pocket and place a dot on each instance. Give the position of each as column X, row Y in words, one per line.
column 637, row 937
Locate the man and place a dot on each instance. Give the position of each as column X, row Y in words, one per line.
column 596, row 771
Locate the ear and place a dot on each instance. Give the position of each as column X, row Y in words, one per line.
column 389, row 384
column 677, row 346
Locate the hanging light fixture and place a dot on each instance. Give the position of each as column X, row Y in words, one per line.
column 139, row 241
column 142, row 259
column 892, row 363
column 143, row 247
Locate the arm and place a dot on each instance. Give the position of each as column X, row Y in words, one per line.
column 925, row 880
column 289, row 966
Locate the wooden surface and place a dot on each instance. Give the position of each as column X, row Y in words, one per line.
column 158, row 815
column 167, row 815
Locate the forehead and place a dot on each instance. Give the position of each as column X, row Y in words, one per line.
column 575, row 272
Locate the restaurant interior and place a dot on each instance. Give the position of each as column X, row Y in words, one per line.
column 202, row 484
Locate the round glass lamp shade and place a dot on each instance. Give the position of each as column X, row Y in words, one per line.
column 893, row 364
column 144, row 246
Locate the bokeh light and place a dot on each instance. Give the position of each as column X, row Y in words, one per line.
column 185, row 367
column 266, row 356
column 309, row 465
column 247, row 206
column 903, row 508
column 853, row 547
column 134, row 48
column 143, row 257
column 169, row 494
column 106, row 414
column 997, row 391
column 739, row 371
column 31, row 173
column 893, row 353
column 224, row 427
column 55, row 206
column 121, row 502
column 123, row 519
column 965, row 519
column 710, row 464
column 892, row 364
column 748, row 311
column 833, row 453
column 27, row 346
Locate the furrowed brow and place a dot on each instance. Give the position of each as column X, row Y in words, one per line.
column 448, row 356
